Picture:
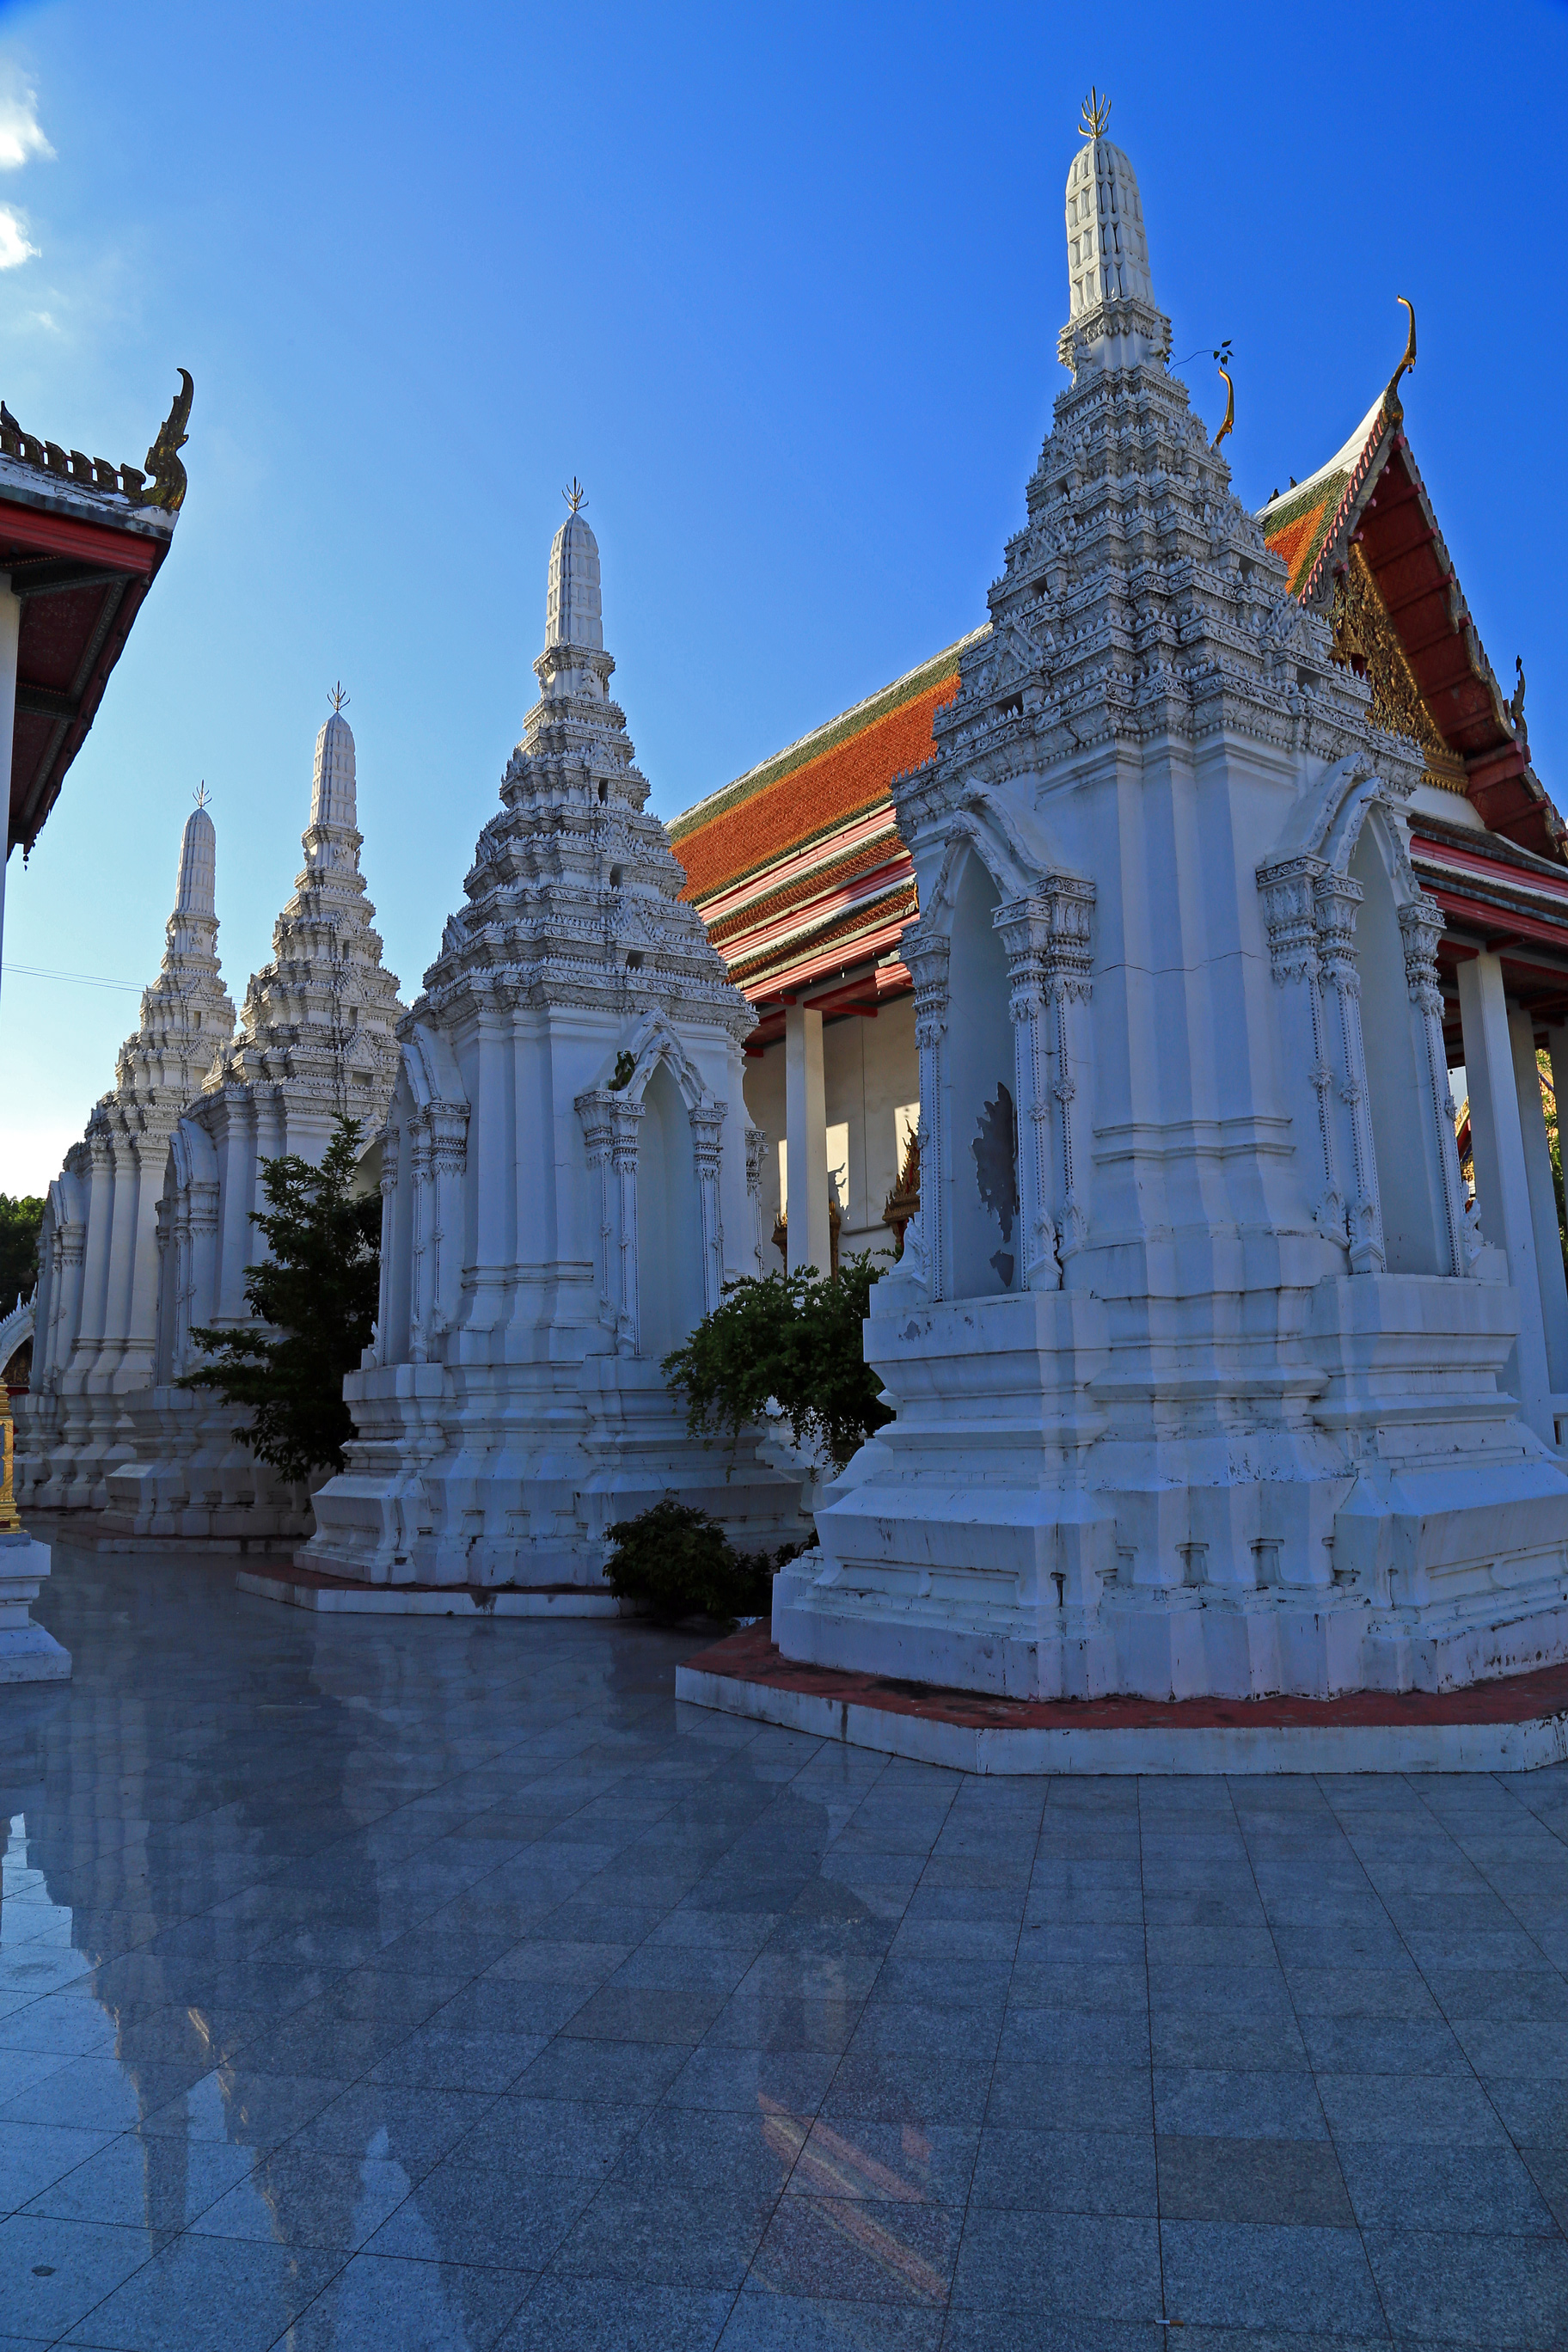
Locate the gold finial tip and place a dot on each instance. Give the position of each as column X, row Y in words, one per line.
column 1094, row 115
column 336, row 696
column 576, row 496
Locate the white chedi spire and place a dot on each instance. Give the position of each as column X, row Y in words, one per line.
column 573, row 606
column 318, row 1020
column 196, row 891
column 1111, row 293
column 187, row 1014
column 332, row 800
column 573, row 874
column 1108, row 252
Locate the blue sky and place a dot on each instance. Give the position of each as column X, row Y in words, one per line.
column 781, row 287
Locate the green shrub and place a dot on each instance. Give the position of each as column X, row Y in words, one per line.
column 794, row 1338
column 314, row 1300
column 20, row 1219
column 681, row 1562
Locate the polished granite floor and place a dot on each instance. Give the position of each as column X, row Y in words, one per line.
column 399, row 1984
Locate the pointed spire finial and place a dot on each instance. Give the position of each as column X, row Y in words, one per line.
column 336, row 696
column 1094, row 115
column 1516, row 700
column 576, row 496
column 1229, row 425
column 1408, row 362
column 200, row 794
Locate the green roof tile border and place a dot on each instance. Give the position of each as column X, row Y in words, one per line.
column 826, row 737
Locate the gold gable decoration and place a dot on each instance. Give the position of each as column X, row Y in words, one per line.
column 1366, row 641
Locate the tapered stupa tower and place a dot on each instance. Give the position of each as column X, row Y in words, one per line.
column 1197, row 1385
column 568, row 1179
column 96, row 1307
column 315, row 1042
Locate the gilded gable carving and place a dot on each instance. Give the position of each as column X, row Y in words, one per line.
column 1366, row 641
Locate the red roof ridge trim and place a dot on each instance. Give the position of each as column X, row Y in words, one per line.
column 824, row 738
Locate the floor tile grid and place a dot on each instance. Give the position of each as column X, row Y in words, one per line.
column 1432, row 1800
column 729, row 2307
column 542, row 2283
column 1149, row 2012
column 629, row 1769
column 1264, row 1908
column 1154, row 1826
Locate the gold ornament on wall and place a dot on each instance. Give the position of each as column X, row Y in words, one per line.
column 1366, row 641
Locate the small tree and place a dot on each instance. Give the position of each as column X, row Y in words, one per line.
column 315, row 1299
column 20, row 1219
column 796, row 1338
column 678, row 1561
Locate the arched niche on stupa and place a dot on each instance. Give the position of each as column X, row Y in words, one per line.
column 1352, row 945
column 669, row 1221
column 1415, row 1236
column 983, row 1117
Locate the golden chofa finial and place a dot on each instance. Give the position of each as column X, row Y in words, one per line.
column 1229, row 425
column 1408, row 362
column 1094, row 115
column 336, row 696
column 200, row 794
column 576, row 496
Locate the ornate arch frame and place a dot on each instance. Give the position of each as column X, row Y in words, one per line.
column 612, row 1116
column 1044, row 918
column 1309, row 905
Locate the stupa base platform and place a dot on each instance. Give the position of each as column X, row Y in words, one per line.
column 313, row 1587
column 1514, row 1725
column 27, row 1653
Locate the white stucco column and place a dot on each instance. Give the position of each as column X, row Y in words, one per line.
column 1543, row 1199
column 1502, row 1183
column 805, row 1140
column 10, row 630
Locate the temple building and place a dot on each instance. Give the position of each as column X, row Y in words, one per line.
column 1226, row 847
column 96, row 1307
column 315, row 1042
column 81, row 541
column 568, row 1182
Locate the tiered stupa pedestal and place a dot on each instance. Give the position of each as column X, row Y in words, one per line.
column 568, row 1182
column 1197, row 1362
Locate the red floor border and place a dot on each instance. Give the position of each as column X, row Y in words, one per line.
column 750, row 1657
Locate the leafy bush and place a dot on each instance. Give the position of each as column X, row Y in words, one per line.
column 794, row 1337
column 20, row 1219
column 316, row 1299
column 680, row 1562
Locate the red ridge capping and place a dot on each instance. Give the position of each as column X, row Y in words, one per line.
column 750, row 1657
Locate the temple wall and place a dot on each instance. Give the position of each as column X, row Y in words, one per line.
column 871, row 1071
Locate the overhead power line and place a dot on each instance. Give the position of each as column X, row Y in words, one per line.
column 86, row 979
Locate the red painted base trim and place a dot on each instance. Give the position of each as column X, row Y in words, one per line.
column 301, row 1572
column 750, row 1657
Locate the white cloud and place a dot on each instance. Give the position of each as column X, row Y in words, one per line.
column 21, row 135
column 13, row 244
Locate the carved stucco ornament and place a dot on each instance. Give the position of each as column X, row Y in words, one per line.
column 1365, row 640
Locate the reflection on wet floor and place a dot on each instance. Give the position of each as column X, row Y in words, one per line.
column 408, row 1983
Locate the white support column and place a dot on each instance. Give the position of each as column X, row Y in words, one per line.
column 1543, row 1199
column 10, row 631
column 1503, row 1184
column 805, row 1140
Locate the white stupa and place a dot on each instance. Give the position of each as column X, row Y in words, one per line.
column 1198, row 1372
column 315, row 1042
column 568, row 1179
column 95, row 1313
